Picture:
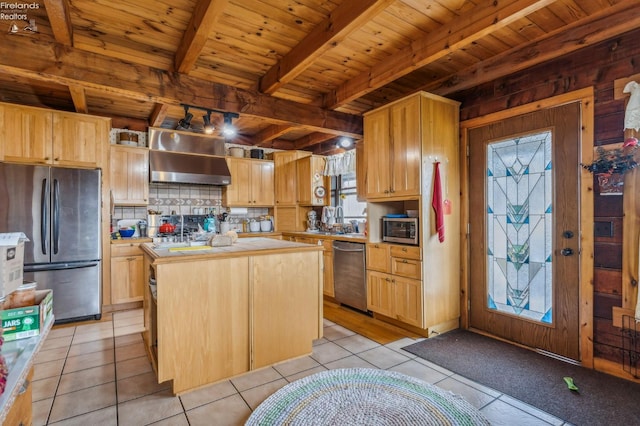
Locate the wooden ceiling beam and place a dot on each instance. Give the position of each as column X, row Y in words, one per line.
column 615, row 20
column 79, row 98
column 347, row 17
column 480, row 21
column 203, row 19
column 69, row 66
column 60, row 20
column 312, row 139
column 158, row 115
column 270, row 133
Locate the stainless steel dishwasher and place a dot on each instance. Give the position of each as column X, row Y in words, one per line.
column 350, row 282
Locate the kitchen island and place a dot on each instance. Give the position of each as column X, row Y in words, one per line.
column 223, row 311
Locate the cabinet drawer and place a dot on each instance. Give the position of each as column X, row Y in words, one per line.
column 378, row 257
column 406, row 268
column 406, row 252
column 131, row 249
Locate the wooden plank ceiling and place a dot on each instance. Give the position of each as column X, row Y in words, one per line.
column 300, row 73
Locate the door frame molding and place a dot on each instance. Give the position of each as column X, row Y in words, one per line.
column 586, row 98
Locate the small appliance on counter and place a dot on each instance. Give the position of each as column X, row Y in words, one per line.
column 312, row 221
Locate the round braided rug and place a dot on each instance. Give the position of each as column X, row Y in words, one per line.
column 364, row 396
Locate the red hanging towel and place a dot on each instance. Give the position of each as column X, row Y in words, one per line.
column 436, row 202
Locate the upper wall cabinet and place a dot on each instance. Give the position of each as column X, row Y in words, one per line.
column 313, row 186
column 129, row 175
column 252, row 183
column 286, row 176
column 39, row 136
column 392, row 150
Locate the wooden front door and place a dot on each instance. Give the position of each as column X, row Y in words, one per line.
column 524, row 229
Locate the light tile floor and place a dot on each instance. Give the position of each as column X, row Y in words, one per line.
column 98, row 374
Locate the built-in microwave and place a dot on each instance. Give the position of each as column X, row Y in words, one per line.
column 403, row 230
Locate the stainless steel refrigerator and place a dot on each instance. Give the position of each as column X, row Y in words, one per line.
column 59, row 211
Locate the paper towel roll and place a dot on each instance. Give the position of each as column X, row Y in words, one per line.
column 238, row 211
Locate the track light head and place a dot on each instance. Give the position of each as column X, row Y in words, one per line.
column 208, row 128
column 185, row 123
column 228, row 130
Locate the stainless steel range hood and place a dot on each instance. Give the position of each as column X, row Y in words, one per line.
column 184, row 157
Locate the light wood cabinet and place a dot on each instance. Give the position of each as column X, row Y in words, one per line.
column 230, row 315
column 327, row 257
column 284, row 326
column 361, row 173
column 127, row 275
column 290, row 218
column 392, row 147
column 40, row 136
column 129, row 175
column 395, row 297
column 311, row 181
column 286, row 175
column 26, row 134
column 21, row 412
column 408, row 136
column 394, row 282
column 252, row 183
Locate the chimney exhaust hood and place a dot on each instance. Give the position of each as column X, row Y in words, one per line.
column 184, row 157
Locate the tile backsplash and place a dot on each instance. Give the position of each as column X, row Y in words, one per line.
column 182, row 199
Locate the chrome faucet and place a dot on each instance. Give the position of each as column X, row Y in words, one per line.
column 339, row 214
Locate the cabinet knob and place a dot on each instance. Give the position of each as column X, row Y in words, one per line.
column 404, row 249
column 386, row 191
column 387, row 279
column 404, row 261
column 392, row 190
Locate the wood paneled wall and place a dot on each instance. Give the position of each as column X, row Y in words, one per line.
column 596, row 66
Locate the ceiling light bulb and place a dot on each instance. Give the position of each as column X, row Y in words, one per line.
column 345, row 142
column 208, row 128
column 228, row 129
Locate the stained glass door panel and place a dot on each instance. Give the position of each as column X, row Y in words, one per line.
column 519, row 226
column 523, row 198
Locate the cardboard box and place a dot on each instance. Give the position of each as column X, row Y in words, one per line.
column 21, row 323
column 11, row 261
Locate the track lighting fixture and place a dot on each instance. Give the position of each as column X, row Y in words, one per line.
column 228, row 130
column 208, row 128
column 185, row 123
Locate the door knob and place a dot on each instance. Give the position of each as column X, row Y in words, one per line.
column 566, row 252
column 567, row 234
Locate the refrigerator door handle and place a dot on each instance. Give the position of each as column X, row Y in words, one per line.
column 44, row 219
column 60, row 266
column 56, row 215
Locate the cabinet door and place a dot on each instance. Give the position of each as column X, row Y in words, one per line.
column 405, row 148
column 377, row 146
column 380, row 293
column 239, row 192
column 26, row 134
column 129, row 175
column 408, row 301
column 78, row 140
column 126, row 279
column 262, row 183
column 290, row 218
column 378, row 257
column 21, row 412
column 285, row 177
column 284, row 327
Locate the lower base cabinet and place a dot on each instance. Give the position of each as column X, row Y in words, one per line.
column 21, row 411
column 216, row 318
column 395, row 297
column 127, row 277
